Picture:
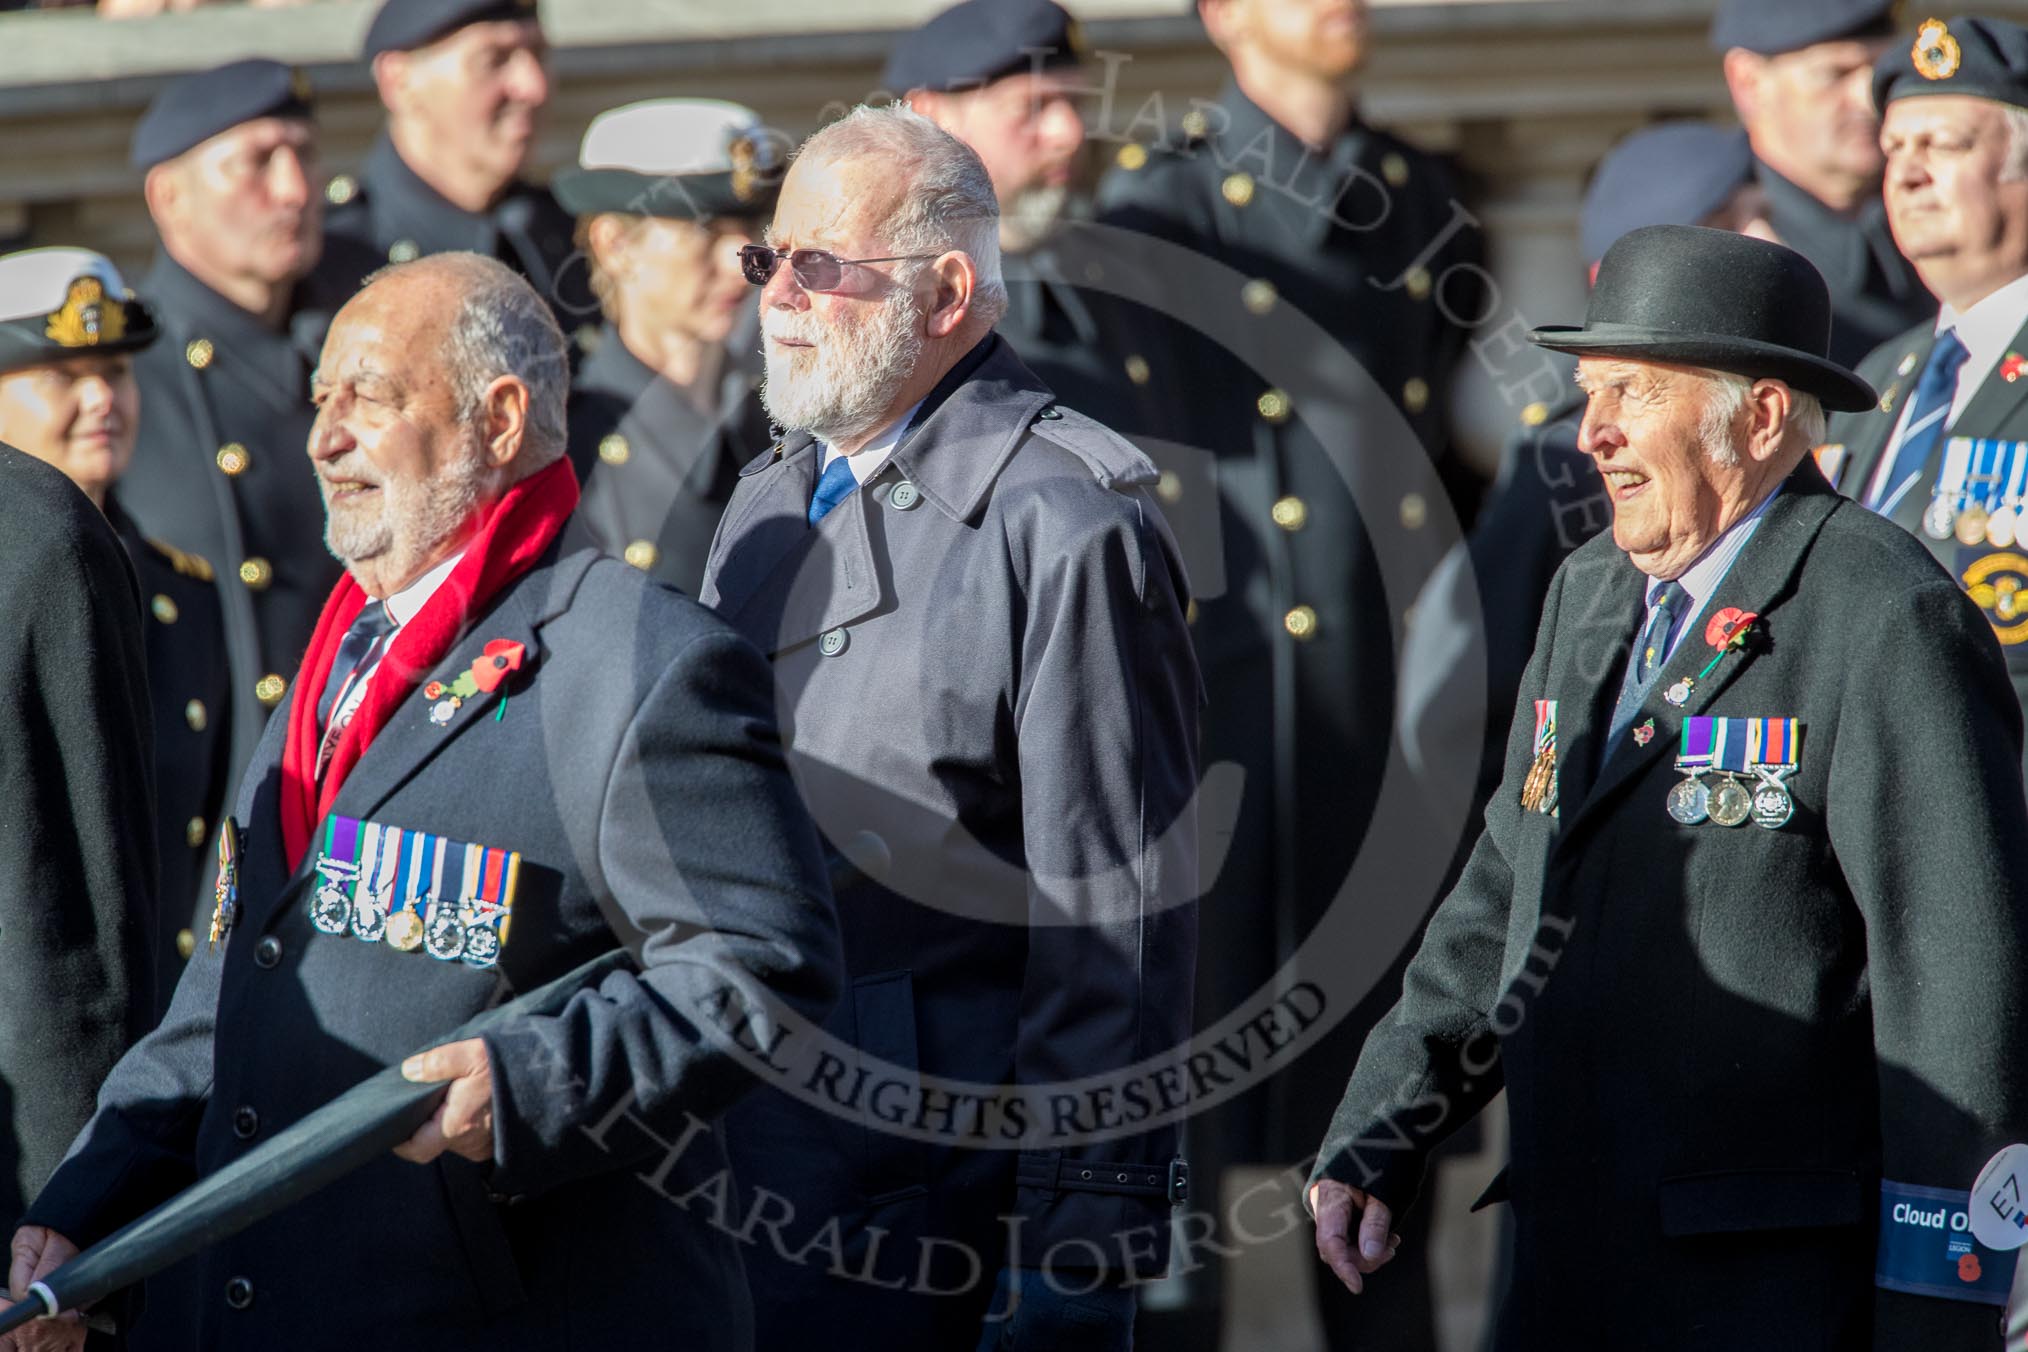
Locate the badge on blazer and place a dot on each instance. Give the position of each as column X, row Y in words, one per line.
column 1997, row 582
column 225, row 890
column 414, row 891
column 1727, row 631
column 1538, row 791
column 1750, row 759
column 501, row 658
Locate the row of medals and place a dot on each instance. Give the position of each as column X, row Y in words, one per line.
column 1972, row 525
column 443, row 935
column 1731, row 803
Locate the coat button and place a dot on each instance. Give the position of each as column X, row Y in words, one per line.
column 163, row 609
column 904, row 496
column 1394, row 169
column 257, row 573
column 1415, row 394
column 270, row 689
column 1535, row 414
column 1414, row 512
column 1238, row 189
column 642, row 554
column 341, row 189
column 404, row 251
column 1258, row 295
column 199, row 352
column 1273, row 406
column 832, row 642
column 1137, row 368
column 233, row 459
column 268, row 953
column 1418, row 283
column 1051, row 413
column 186, row 944
column 246, row 1123
column 1290, row 512
column 1301, row 623
column 613, row 449
column 195, row 714
column 1132, row 156
column 194, row 832
column 239, row 1293
column 1169, row 487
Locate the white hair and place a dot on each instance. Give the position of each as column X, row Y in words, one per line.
column 2014, row 167
column 949, row 204
column 503, row 328
column 1726, row 398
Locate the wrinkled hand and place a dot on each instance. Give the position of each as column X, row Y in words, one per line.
column 1335, row 1204
column 463, row 1123
column 37, row 1252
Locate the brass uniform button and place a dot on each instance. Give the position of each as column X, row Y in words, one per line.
column 257, row 573
column 1394, row 169
column 1137, row 368
column 1418, row 283
column 1301, row 623
column 270, row 689
column 404, row 251
column 1194, row 123
column 233, row 459
column 195, row 714
column 1169, row 488
column 194, row 832
column 613, row 449
column 341, row 189
column 163, row 609
column 1238, row 189
column 1887, row 402
column 1535, row 415
column 642, row 554
column 1190, row 612
column 1258, row 295
column 1290, row 513
column 1415, row 394
column 1132, row 156
column 199, row 353
column 1273, row 406
column 186, row 944
column 1414, row 511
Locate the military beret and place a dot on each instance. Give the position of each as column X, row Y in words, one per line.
column 978, row 41
column 404, row 25
column 193, row 109
column 685, row 159
column 1984, row 58
column 1676, row 173
column 61, row 303
column 1772, row 28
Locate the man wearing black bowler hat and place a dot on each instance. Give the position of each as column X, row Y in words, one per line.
column 1743, row 937
column 464, row 83
column 242, row 286
column 1798, row 74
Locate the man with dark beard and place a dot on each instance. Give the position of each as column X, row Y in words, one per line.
column 976, row 620
column 502, row 759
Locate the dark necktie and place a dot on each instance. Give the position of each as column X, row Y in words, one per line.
column 1927, row 413
column 835, row 485
column 1651, row 653
column 355, row 651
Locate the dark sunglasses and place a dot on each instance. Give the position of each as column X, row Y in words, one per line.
column 814, row 269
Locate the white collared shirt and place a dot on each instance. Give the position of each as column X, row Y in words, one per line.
column 1701, row 578
column 402, row 607
column 1986, row 330
column 868, row 459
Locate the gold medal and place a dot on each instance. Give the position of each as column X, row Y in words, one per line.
column 1539, row 790
column 405, row 931
column 1971, row 526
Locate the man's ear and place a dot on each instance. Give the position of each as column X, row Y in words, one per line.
column 1768, row 405
column 950, row 303
column 1742, row 79
column 1222, row 22
column 606, row 237
column 506, row 420
column 390, row 79
column 162, row 189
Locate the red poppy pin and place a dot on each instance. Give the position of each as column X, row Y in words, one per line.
column 1725, row 631
column 499, row 659
column 2013, row 367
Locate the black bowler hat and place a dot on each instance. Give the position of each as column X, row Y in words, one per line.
column 1701, row 297
column 404, row 25
column 56, row 304
column 1772, row 27
column 979, row 41
column 1984, row 58
column 191, row 110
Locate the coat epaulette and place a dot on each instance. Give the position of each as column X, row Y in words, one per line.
column 1114, row 461
column 187, row 564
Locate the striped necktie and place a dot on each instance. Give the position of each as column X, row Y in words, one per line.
column 1935, row 391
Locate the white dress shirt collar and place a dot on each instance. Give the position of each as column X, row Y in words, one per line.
column 868, row 459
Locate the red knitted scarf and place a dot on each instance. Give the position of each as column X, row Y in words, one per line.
column 516, row 531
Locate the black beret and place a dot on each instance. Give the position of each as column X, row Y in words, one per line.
column 195, row 108
column 978, row 41
column 1676, row 173
column 56, row 304
column 1984, row 58
column 1772, row 27
column 404, row 25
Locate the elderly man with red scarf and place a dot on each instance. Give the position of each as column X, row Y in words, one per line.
column 499, row 759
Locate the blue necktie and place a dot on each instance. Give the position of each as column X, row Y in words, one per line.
column 833, row 487
column 1932, row 405
column 354, row 651
column 1650, row 653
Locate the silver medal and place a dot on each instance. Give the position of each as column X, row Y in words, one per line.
column 331, row 909
column 1731, row 804
column 1939, row 522
column 1772, row 806
column 369, row 918
column 444, row 934
column 482, row 946
column 1690, row 801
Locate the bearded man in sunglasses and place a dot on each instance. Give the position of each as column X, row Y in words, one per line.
column 975, row 614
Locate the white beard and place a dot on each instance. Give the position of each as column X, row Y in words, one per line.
column 414, row 517
column 841, row 387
